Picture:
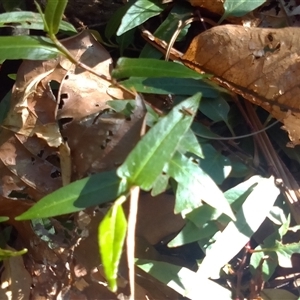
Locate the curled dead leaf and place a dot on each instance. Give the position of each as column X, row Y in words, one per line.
column 260, row 64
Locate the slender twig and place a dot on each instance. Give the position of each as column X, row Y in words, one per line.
column 290, row 187
column 130, row 241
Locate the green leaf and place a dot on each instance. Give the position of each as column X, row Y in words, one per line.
column 217, row 166
column 160, row 185
column 203, row 218
column 146, row 161
column 111, row 236
column 53, row 14
column 248, row 219
column 195, row 186
column 30, row 20
column 202, row 131
column 141, row 67
column 273, row 248
column 239, row 193
column 285, row 252
column 191, row 233
column 5, row 254
column 166, row 30
column 239, row 8
column 216, row 109
column 83, row 193
column 268, row 266
column 181, row 279
column 239, row 168
column 125, row 40
column 189, row 143
column 4, row 219
column 171, row 85
column 139, row 12
column 27, row 47
column 203, row 214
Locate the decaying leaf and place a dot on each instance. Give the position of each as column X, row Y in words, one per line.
column 101, row 142
column 48, row 95
column 260, row 64
column 53, row 102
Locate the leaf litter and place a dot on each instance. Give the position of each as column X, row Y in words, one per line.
column 48, row 139
column 55, row 103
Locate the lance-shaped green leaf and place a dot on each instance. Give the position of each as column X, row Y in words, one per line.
column 239, row 8
column 248, row 219
column 146, row 161
column 139, row 12
column 53, row 14
column 27, row 47
column 86, row 192
column 111, row 236
column 152, row 68
column 195, row 186
column 30, row 20
column 167, row 29
column 171, row 85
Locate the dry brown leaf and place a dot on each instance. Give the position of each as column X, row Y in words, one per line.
column 101, row 142
column 46, row 96
column 260, row 64
column 31, row 141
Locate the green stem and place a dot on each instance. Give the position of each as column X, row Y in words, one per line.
column 69, row 55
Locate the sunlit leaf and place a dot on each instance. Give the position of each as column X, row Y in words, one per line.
column 195, row 186
column 217, row 166
column 181, row 279
column 111, row 236
column 146, row 161
column 27, row 47
column 139, row 12
column 189, row 143
column 86, row 192
column 160, row 185
column 30, row 20
column 248, row 219
column 191, row 233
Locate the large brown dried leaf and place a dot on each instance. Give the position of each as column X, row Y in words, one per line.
column 30, row 141
column 102, row 142
column 262, row 65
